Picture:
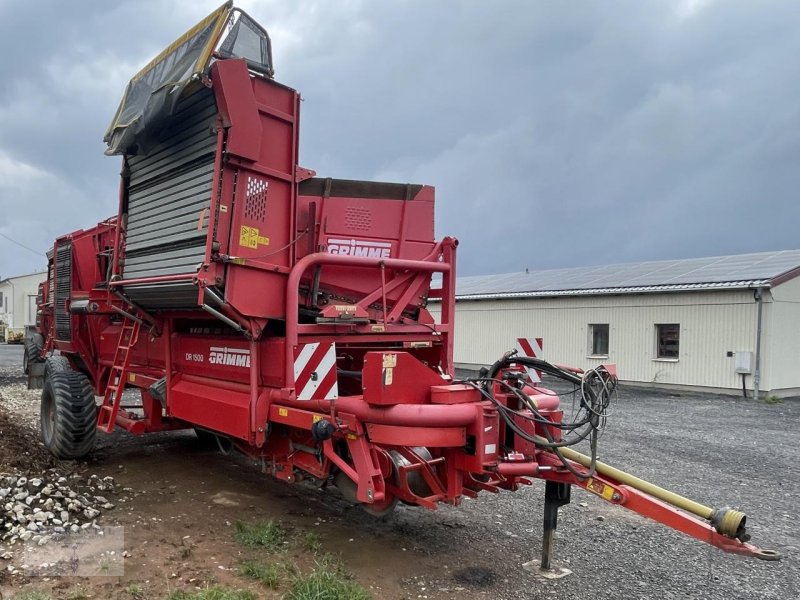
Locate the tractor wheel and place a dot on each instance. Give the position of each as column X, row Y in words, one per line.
column 33, row 351
column 205, row 438
column 347, row 488
column 57, row 363
column 68, row 414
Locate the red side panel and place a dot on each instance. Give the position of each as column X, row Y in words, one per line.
column 238, row 109
column 397, row 378
column 370, row 227
column 206, row 403
column 262, row 155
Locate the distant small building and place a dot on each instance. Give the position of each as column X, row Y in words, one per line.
column 18, row 302
column 702, row 324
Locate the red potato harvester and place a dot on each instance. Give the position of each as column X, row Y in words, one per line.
column 285, row 315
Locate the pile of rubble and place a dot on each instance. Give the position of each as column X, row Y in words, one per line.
column 35, row 510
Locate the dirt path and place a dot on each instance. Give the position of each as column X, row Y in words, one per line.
column 180, row 517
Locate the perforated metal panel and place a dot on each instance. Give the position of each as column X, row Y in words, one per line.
column 169, row 197
column 255, row 206
column 358, row 218
column 63, row 289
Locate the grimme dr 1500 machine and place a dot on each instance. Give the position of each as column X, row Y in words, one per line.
column 284, row 314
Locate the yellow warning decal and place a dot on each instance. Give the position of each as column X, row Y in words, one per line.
column 316, row 418
column 352, row 436
column 600, row 488
column 283, row 412
column 250, row 237
column 131, row 377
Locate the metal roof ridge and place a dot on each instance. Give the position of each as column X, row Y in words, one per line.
column 647, row 289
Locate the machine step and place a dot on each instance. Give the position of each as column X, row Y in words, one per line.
column 112, row 398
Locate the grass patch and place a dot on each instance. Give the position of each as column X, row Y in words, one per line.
column 268, row 575
column 312, row 543
column 263, row 534
column 32, row 595
column 213, row 593
column 290, row 569
column 328, row 581
column 135, row 591
column 773, row 400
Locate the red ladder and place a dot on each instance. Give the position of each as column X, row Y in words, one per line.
column 107, row 415
column 48, row 345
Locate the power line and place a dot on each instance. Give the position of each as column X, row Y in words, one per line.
column 21, row 245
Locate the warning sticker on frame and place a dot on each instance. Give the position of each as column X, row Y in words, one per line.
column 250, row 237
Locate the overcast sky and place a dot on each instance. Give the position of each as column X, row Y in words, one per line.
column 557, row 134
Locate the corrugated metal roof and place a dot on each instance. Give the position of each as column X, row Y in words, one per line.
column 760, row 269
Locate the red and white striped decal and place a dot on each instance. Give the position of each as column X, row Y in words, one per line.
column 531, row 347
column 315, row 371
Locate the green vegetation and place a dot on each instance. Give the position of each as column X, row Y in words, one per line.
column 262, row 534
column 312, row 543
column 269, row 575
column 328, row 581
column 213, row 593
column 104, row 564
column 32, row 595
column 773, row 400
column 136, row 591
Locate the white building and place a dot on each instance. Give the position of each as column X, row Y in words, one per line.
column 700, row 324
column 18, row 302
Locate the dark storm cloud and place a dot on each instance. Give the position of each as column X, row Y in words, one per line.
column 557, row 134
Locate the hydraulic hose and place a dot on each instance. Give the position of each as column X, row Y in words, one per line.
column 727, row 521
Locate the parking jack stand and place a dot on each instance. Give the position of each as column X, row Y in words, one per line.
column 556, row 494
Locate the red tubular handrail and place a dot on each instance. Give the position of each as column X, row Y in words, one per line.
column 408, row 415
column 324, row 258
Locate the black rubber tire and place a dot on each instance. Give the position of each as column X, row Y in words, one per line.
column 68, row 418
column 205, row 438
column 33, row 351
column 56, row 363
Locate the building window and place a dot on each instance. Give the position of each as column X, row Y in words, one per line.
column 667, row 340
column 598, row 339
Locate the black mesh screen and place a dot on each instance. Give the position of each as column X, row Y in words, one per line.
column 63, row 288
column 248, row 40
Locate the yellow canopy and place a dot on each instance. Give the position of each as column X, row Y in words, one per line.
column 154, row 90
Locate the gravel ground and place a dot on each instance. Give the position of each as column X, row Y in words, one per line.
column 718, row 450
column 42, row 500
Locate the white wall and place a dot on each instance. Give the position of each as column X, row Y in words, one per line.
column 712, row 323
column 16, row 299
column 782, row 338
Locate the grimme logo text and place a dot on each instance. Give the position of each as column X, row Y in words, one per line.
column 351, row 247
column 233, row 357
